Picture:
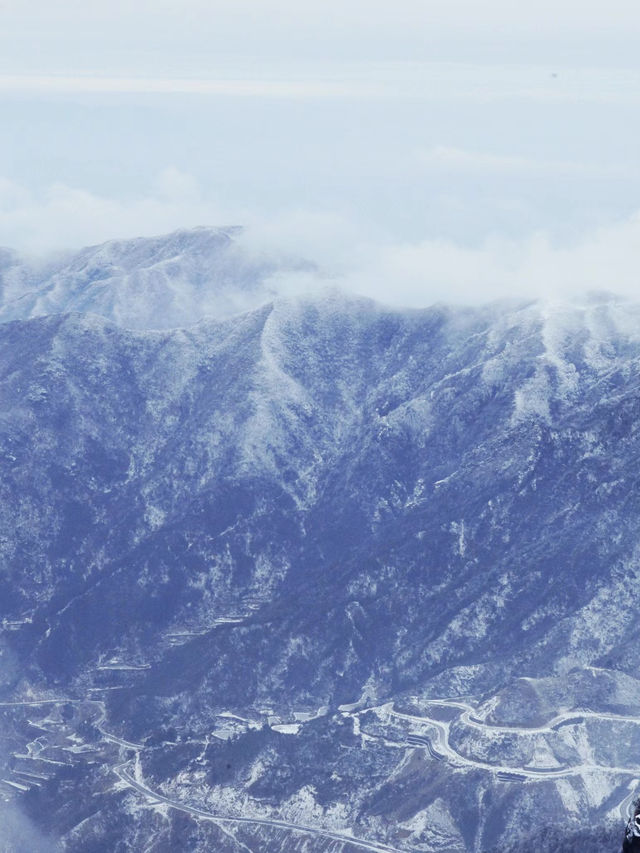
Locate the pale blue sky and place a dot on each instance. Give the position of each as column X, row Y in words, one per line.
column 332, row 128
column 159, row 35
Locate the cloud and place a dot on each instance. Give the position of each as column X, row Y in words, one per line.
column 79, row 84
column 431, row 81
column 418, row 274
column 413, row 273
column 18, row 834
column 173, row 186
column 446, row 159
column 64, row 217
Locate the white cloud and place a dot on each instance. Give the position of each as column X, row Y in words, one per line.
column 67, row 217
column 175, row 186
column 429, row 81
column 439, row 270
column 443, row 158
column 12, row 197
column 18, row 833
column 57, row 84
column 415, row 274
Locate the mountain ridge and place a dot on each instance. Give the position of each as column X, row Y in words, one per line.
column 394, row 548
column 148, row 282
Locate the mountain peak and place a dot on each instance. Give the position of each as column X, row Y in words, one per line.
column 167, row 281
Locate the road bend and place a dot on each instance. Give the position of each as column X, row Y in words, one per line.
column 155, row 797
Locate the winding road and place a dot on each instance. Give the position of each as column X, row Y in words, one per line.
column 428, row 733
column 125, row 776
column 440, row 746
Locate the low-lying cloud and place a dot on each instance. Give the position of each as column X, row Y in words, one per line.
column 414, row 273
column 18, row 834
column 438, row 270
column 64, row 217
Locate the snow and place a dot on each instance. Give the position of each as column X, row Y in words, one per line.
column 287, row 728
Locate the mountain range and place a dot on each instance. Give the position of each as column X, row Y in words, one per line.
column 310, row 573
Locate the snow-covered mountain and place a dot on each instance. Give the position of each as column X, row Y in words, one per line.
column 148, row 283
column 320, row 575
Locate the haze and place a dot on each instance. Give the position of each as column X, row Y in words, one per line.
column 419, row 151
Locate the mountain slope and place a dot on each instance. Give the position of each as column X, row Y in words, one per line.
column 148, row 283
column 385, row 557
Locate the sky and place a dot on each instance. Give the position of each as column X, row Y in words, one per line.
column 420, row 150
column 155, row 35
